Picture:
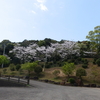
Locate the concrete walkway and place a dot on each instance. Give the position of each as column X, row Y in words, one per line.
column 44, row 91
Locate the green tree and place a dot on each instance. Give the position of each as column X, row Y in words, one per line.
column 29, row 67
column 81, row 72
column 68, row 68
column 94, row 38
column 3, row 59
column 38, row 70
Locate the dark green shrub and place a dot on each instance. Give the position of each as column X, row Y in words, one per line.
column 98, row 62
column 94, row 61
column 85, row 61
column 71, row 80
column 12, row 67
column 48, row 64
column 38, row 69
column 18, row 66
column 85, row 66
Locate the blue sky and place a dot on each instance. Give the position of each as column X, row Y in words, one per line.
column 55, row 19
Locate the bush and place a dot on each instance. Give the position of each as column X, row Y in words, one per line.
column 85, row 61
column 85, row 66
column 18, row 66
column 12, row 67
column 48, row 64
column 38, row 69
column 71, row 80
column 98, row 62
column 94, row 61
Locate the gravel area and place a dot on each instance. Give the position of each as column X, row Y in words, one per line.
column 45, row 91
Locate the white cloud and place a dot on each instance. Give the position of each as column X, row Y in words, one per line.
column 43, row 7
column 33, row 12
column 41, row 1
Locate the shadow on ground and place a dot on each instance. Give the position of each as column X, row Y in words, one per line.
column 5, row 83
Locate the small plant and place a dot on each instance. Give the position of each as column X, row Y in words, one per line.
column 98, row 62
column 85, row 66
column 18, row 66
column 94, row 61
column 12, row 67
column 4, row 71
column 85, row 61
column 71, row 80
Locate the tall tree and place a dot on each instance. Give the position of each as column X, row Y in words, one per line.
column 94, row 38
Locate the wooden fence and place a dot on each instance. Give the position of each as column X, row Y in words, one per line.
column 16, row 79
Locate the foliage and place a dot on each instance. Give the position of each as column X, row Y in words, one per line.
column 68, row 68
column 85, row 61
column 56, row 73
column 12, row 67
column 18, row 66
column 48, row 64
column 81, row 72
column 29, row 67
column 38, row 69
column 3, row 59
column 52, row 51
column 71, row 80
column 94, row 60
column 85, row 66
column 94, row 38
column 98, row 62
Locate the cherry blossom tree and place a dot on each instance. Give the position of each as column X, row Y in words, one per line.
column 33, row 51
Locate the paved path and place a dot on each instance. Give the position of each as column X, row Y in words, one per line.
column 44, row 91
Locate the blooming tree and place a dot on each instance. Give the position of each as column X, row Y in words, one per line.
column 34, row 51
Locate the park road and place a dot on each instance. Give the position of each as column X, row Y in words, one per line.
column 45, row 91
